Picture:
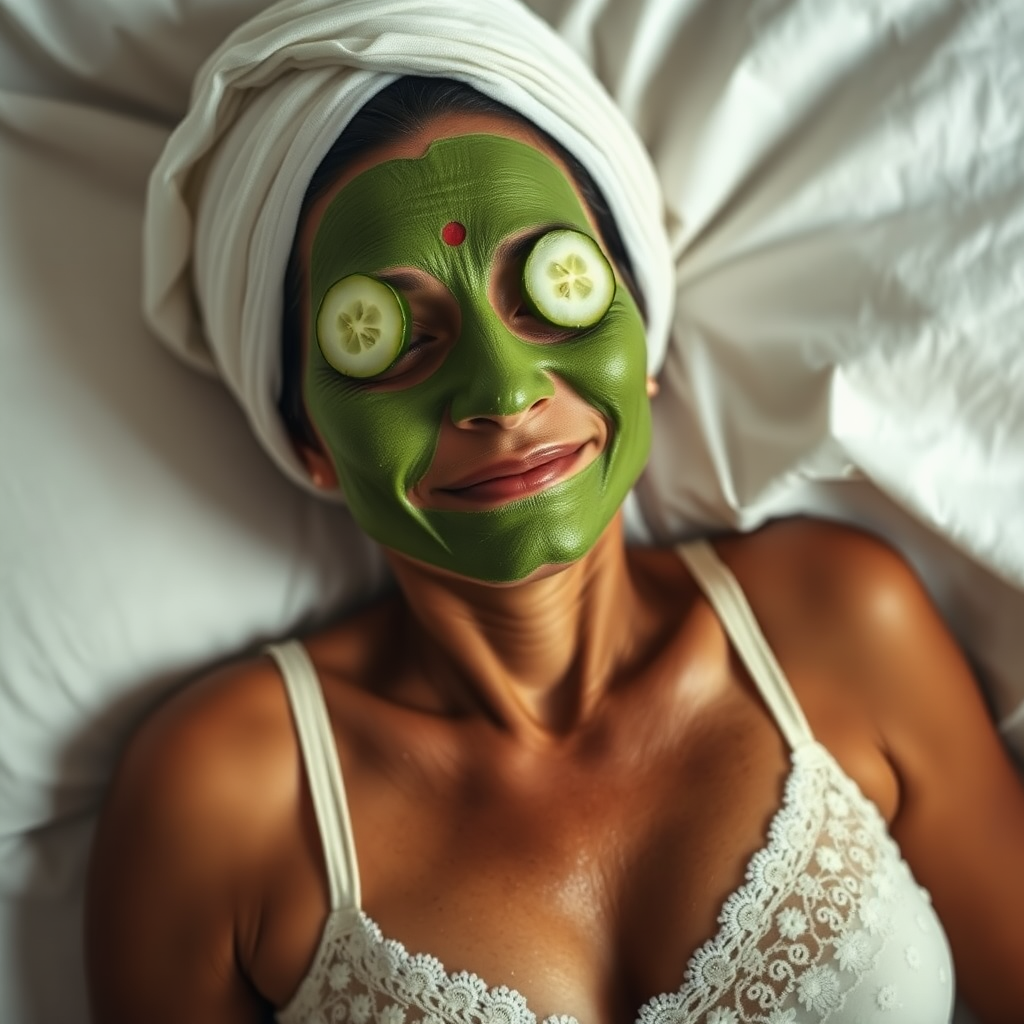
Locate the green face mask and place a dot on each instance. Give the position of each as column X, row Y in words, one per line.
column 382, row 442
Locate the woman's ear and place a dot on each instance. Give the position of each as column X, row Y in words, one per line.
column 652, row 386
column 318, row 465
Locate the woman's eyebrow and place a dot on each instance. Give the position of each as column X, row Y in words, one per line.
column 518, row 247
column 406, row 280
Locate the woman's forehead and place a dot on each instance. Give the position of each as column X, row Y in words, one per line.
column 397, row 212
column 416, row 145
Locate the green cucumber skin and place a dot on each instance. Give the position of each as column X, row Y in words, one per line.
column 537, row 309
column 405, row 317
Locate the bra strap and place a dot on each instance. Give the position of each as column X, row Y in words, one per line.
column 323, row 770
column 724, row 593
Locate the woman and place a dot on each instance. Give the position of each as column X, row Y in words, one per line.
column 567, row 776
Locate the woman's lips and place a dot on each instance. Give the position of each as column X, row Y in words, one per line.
column 510, row 479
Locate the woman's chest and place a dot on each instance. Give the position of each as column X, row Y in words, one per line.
column 586, row 892
column 819, row 904
column 584, row 883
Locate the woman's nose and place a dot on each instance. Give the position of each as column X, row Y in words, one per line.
column 501, row 381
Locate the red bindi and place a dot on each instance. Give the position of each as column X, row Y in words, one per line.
column 453, row 233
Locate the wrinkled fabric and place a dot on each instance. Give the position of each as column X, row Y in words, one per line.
column 845, row 199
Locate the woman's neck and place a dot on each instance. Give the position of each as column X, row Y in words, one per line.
column 537, row 656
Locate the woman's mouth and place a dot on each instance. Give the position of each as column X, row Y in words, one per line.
column 514, row 478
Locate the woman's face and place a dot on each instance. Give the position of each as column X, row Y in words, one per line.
column 497, row 444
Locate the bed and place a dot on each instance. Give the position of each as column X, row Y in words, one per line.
column 844, row 185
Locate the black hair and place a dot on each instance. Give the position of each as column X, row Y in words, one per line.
column 402, row 108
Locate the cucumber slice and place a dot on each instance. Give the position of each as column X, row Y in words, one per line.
column 567, row 280
column 362, row 326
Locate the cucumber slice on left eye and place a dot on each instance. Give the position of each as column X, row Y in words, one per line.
column 362, row 326
column 567, row 280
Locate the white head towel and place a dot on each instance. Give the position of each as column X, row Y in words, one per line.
column 225, row 195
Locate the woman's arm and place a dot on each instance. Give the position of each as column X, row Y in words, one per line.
column 960, row 821
column 172, row 903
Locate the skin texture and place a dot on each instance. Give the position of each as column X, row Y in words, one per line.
column 390, row 219
column 553, row 784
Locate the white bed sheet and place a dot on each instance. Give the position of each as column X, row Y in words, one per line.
column 846, row 188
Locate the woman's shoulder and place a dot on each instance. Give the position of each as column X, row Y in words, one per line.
column 850, row 614
column 826, row 575
column 192, row 825
column 858, row 638
column 819, row 551
column 843, row 596
column 826, row 595
column 209, row 760
column 815, row 557
column 222, row 743
column 857, row 600
column 840, row 608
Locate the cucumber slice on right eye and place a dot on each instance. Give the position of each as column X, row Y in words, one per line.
column 362, row 326
column 567, row 280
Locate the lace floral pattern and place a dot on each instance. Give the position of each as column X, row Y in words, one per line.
column 810, row 921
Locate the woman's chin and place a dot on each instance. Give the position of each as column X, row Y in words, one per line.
column 541, row 572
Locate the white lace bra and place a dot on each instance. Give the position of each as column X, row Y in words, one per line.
column 828, row 926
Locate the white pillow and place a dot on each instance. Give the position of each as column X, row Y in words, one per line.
column 127, row 55
column 143, row 534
